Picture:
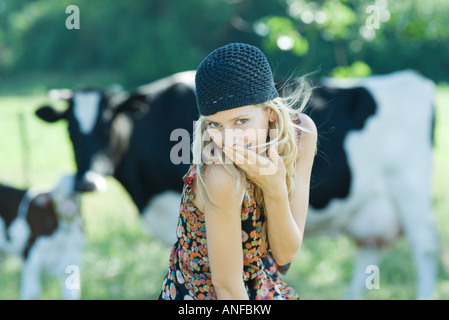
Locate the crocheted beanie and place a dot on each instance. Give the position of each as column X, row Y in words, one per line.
column 233, row 76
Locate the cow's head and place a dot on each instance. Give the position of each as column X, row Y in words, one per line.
column 97, row 133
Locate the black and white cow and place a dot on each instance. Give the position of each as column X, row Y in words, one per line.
column 371, row 178
column 131, row 137
column 43, row 226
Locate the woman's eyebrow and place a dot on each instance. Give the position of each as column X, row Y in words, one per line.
column 233, row 119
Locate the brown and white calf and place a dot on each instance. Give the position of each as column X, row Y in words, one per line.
column 44, row 226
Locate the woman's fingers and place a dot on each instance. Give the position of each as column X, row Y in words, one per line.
column 235, row 156
column 250, row 157
column 251, row 162
column 273, row 154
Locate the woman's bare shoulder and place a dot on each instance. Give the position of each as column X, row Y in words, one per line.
column 309, row 136
column 308, row 125
column 221, row 187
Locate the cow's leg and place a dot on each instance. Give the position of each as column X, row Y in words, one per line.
column 71, row 284
column 2, row 258
column 70, row 291
column 30, row 286
column 424, row 243
column 2, row 241
column 416, row 214
column 161, row 216
column 364, row 273
column 374, row 226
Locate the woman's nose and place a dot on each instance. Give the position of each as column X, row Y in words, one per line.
column 232, row 137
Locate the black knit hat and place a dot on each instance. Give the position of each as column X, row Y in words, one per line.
column 233, row 76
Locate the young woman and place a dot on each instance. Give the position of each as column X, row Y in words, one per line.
column 245, row 197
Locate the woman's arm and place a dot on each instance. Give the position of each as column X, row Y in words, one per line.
column 286, row 219
column 284, row 234
column 224, row 234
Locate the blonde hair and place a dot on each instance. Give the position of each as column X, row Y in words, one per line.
column 295, row 101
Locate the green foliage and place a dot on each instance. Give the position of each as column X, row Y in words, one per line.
column 282, row 35
column 137, row 41
column 341, row 18
column 358, row 69
column 409, row 34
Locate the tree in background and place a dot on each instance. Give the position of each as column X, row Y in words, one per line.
column 137, row 41
column 354, row 35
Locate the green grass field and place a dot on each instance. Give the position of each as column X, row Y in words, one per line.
column 122, row 261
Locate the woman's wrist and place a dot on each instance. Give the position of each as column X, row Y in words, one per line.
column 275, row 192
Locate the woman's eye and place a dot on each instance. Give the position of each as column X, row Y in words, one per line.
column 213, row 125
column 242, row 121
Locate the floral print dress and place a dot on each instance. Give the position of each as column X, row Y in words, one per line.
column 189, row 275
